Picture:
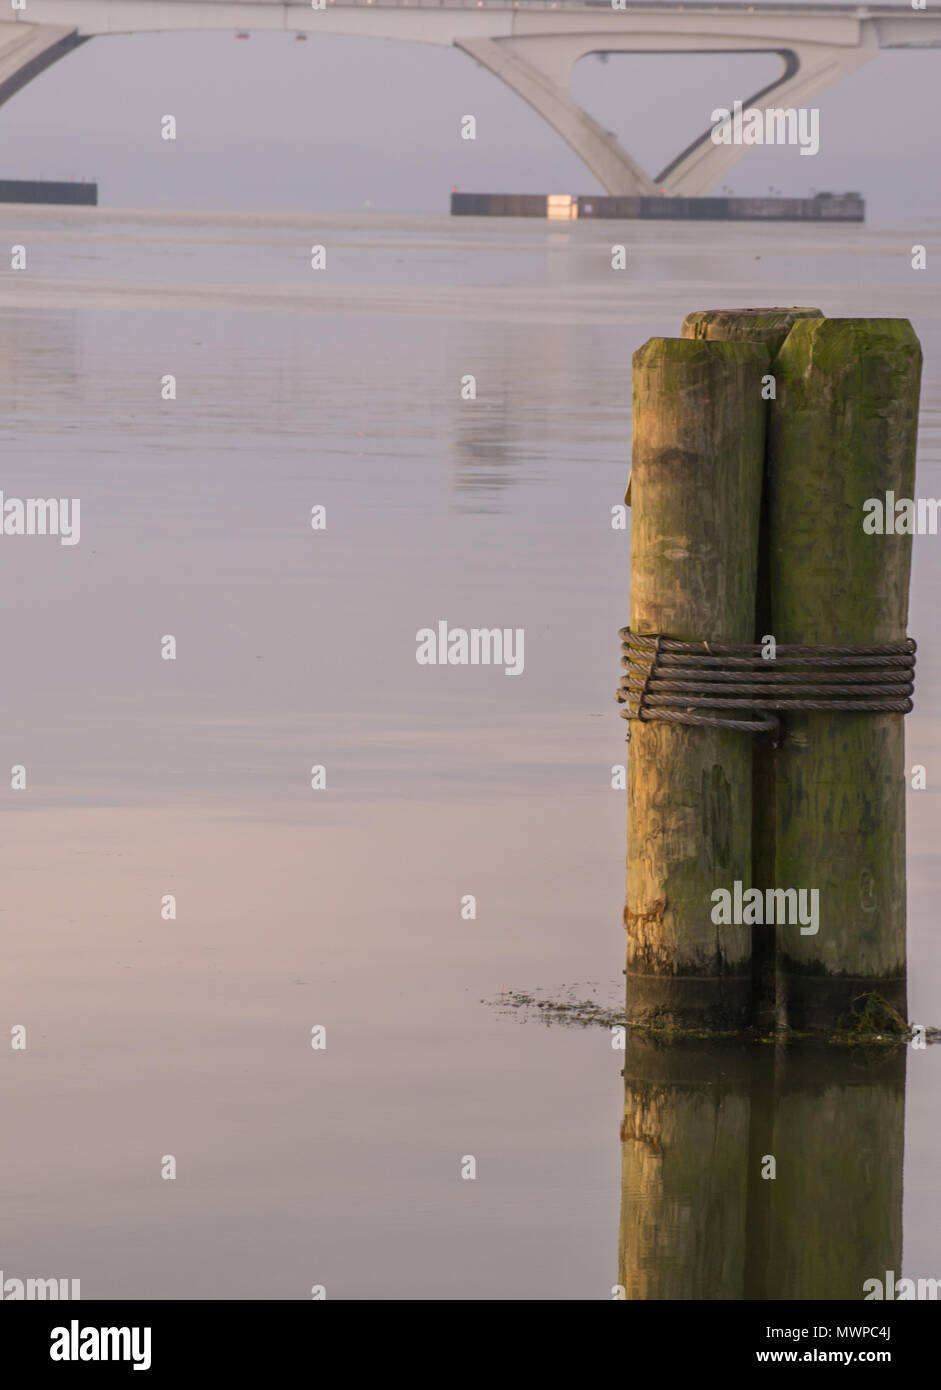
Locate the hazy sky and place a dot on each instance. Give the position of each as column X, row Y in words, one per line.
column 336, row 123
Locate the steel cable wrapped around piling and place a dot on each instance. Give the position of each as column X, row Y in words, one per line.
column 689, row 682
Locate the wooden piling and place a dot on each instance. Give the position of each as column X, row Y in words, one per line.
column 842, row 429
column 698, row 450
column 770, row 326
column 745, row 325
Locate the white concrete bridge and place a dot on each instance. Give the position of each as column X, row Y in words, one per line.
column 531, row 45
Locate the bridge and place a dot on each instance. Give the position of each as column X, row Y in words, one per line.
column 531, row 45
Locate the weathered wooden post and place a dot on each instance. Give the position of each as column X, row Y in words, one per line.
column 842, row 431
column 816, row 809
column 824, row 810
column 770, row 326
column 745, row 325
column 697, row 461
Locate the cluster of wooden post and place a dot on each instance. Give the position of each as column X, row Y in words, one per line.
column 757, row 437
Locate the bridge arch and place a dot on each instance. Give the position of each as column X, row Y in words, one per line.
column 531, row 45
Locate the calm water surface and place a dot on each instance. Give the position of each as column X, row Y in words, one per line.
column 342, row 907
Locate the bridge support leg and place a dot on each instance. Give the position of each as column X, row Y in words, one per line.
column 807, row 71
column 611, row 165
column 26, row 49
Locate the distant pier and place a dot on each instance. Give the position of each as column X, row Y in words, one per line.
column 559, row 207
column 45, row 191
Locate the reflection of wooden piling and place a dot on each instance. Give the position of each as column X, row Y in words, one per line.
column 698, row 1219
column 836, row 1200
column 698, row 449
column 684, row 1170
column 842, row 429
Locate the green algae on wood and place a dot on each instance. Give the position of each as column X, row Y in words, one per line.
column 842, row 429
column 770, row 326
column 698, row 450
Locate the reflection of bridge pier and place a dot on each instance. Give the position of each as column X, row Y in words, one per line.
column 698, row 1220
column 531, row 45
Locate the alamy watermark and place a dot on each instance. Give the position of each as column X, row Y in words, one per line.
column 893, row 1289
column 750, row 907
column 41, row 516
column 77, row 1343
column 476, row 646
column 772, row 125
column 902, row 516
column 18, row 1290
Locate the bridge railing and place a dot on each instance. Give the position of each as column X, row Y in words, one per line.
column 695, row 6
